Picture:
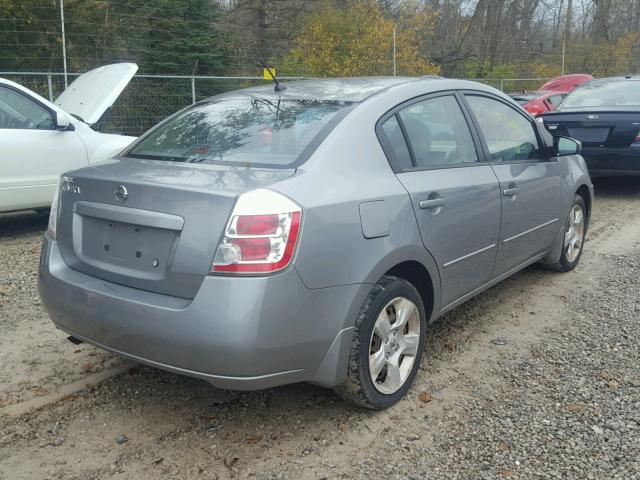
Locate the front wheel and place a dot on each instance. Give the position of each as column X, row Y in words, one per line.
column 574, row 235
column 387, row 345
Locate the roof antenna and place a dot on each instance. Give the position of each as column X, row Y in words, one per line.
column 272, row 74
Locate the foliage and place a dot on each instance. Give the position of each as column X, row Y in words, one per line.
column 455, row 38
column 610, row 58
column 358, row 41
column 165, row 36
column 184, row 33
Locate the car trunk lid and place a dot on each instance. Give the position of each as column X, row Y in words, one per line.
column 595, row 129
column 151, row 225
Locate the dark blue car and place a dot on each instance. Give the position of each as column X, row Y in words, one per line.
column 605, row 116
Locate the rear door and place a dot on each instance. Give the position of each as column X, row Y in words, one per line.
column 34, row 153
column 455, row 195
column 529, row 181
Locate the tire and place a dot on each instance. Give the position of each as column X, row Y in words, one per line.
column 396, row 297
column 573, row 240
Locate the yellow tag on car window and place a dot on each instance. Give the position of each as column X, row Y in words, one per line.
column 269, row 73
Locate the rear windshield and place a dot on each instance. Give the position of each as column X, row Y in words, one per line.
column 246, row 131
column 620, row 93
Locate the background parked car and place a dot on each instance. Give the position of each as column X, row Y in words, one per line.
column 605, row 116
column 551, row 94
column 204, row 249
column 539, row 102
column 40, row 139
column 566, row 83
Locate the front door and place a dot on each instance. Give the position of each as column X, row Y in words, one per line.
column 530, row 182
column 456, row 198
column 34, row 154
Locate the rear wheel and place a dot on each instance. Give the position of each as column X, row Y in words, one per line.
column 574, row 235
column 387, row 346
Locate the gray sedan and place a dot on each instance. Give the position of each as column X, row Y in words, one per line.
column 310, row 233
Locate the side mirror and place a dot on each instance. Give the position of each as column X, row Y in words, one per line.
column 567, row 146
column 62, row 121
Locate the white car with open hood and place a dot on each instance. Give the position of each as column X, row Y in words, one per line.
column 39, row 140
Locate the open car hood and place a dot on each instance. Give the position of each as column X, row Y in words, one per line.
column 91, row 94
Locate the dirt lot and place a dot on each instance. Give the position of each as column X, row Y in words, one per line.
column 538, row 377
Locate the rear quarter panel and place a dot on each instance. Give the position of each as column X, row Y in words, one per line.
column 348, row 169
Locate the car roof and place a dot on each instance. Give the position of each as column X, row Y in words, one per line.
column 347, row 89
column 354, row 89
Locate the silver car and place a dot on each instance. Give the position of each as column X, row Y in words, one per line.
column 310, row 233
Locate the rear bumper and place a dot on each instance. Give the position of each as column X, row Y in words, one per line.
column 613, row 161
column 237, row 333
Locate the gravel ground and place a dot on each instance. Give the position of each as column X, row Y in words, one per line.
column 538, row 377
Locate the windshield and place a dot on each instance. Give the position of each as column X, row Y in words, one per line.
column 243, row 130
column 617, row 93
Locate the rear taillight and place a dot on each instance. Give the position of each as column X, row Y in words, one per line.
column 637, row 139
column 53, row 213
column 261, row 235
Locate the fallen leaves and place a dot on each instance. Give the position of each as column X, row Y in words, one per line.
column 425, row 397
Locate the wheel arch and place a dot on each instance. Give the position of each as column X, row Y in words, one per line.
column 584, row 191
column 417, row 275
column 415, row 265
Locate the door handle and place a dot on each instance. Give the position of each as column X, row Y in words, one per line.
column 432, row 203
column 511, row 191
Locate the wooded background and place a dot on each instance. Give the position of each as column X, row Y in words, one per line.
column 454, row 38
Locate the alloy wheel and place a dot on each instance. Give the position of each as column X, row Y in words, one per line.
column 394, row 344
column 574, row 233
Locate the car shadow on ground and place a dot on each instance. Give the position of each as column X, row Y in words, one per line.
column 23, row 223
column 612, row 187
column 196, row 406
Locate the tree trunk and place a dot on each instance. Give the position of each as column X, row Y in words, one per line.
column 567, row 22
column 600, row 26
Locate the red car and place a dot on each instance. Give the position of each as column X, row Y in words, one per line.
column 549, row 96
column 566, row 83
column 539, row 102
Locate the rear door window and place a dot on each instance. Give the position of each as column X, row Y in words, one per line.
column 431, row 133
column 395, row 145
column 509, row 135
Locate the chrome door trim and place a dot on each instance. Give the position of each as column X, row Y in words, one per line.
column 490, row 283
column 468, row 255
column 506, row 240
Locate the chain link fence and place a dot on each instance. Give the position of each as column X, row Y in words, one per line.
column 148, row 99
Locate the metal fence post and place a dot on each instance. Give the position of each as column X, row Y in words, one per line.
column 193, row 88
column 502, row 84
column 50, row 86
